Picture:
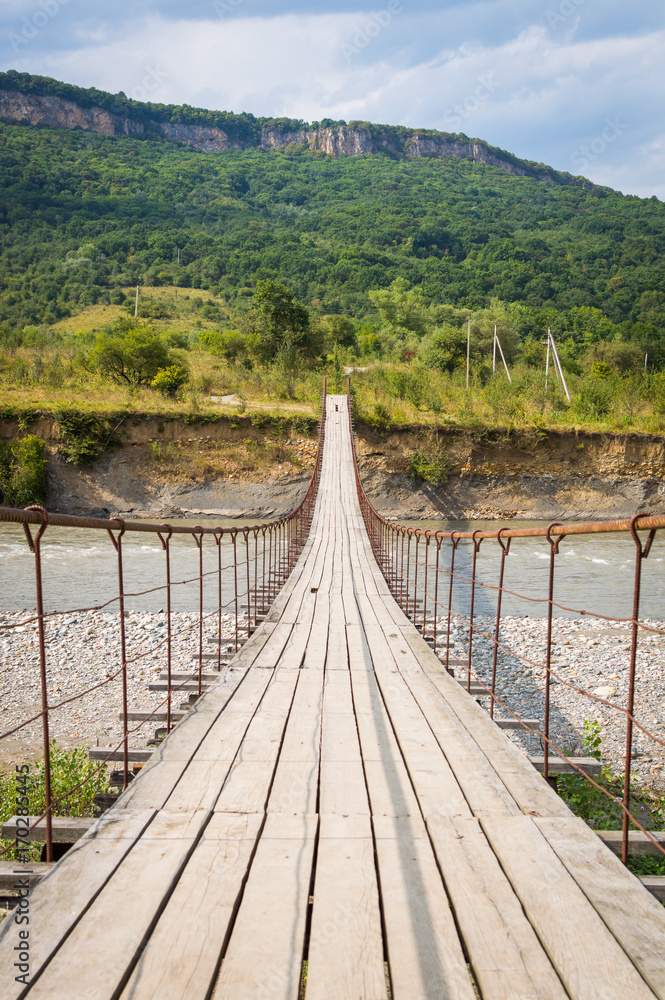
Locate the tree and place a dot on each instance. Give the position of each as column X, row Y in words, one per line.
column 129, row 354
column 280, row 324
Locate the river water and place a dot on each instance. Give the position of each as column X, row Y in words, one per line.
column 593, row 573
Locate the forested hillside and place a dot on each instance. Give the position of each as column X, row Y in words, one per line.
column 82, row 215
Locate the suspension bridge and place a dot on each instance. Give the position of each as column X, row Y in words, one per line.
column 337, row 818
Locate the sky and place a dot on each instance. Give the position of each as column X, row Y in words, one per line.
column 575, row 84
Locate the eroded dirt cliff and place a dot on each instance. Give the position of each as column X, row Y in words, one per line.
column 230, row 468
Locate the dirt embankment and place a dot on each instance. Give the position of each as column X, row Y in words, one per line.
column 230, row 468
column 524, row 474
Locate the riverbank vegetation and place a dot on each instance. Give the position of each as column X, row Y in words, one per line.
column 187, row 357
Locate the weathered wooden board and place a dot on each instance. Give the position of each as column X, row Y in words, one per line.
column 264, row 956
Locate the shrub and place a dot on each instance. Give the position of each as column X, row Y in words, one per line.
column 168, row 381
column 431, row 468
column 69, row 769
column 23, row 472
column 84, row 436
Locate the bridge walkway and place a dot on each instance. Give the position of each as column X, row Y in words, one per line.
column 338, row 807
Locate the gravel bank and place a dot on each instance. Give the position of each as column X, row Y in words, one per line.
column 82, row 650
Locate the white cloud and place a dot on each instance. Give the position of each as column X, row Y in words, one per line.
column 544, row 95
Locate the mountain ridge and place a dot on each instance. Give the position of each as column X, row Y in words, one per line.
column 43, row 101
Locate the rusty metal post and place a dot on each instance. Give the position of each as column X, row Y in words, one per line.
column 408, row 564
column 427, row 538
column 640, row 554
column 505, row 549
column 234, row 539
column 167, row 550
column 454, row 543
column 218, row 536
column 554, row 549
column 476, row 546
column 35, row 548
column 199, row 543
column 436, row 588
column 245, row 532
column 117, row 542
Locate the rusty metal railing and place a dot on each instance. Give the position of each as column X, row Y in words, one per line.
column 424, row 582
column 254, row 560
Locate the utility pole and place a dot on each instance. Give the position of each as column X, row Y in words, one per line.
column 468, row 350
column 136, row 305
column 497, row 343
column 558, row 370
column 178, row 256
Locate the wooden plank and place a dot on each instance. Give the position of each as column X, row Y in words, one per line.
column 590, row 962
column 345, row 945
column 296, row 781
column 482, row 786
column 137, row 754
column 247, row 786
column 635, row 918
column 13, row 875
column 263, row 960
column 518, row 724
column 435, row 784
column 342, row 783
column 66, row 829
column 78, row 970
column 513, row 767
column 68, row 891
column 182, row 956
column 655, row 884
column 571, row 766
column 390, row 790
column 638, row 842
column 424, row 951
column 506, row 957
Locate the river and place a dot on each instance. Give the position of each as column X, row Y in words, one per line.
column 593, row 573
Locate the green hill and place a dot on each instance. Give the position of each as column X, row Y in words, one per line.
column 84, row 214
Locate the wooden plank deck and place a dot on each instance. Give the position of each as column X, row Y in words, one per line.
column 338, row 811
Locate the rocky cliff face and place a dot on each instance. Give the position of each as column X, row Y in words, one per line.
column 339, row 140
column 208, row 140
column 342, row 140
column 55, row 112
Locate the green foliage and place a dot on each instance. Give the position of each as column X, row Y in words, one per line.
column 69, row 770
column 304, row 425
column 23, row 472
column 169, row 381
column 431, row 466
column 280, row 326
column 229, row 344
column 84, row 436
column 129, row 354
column 601, row 812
